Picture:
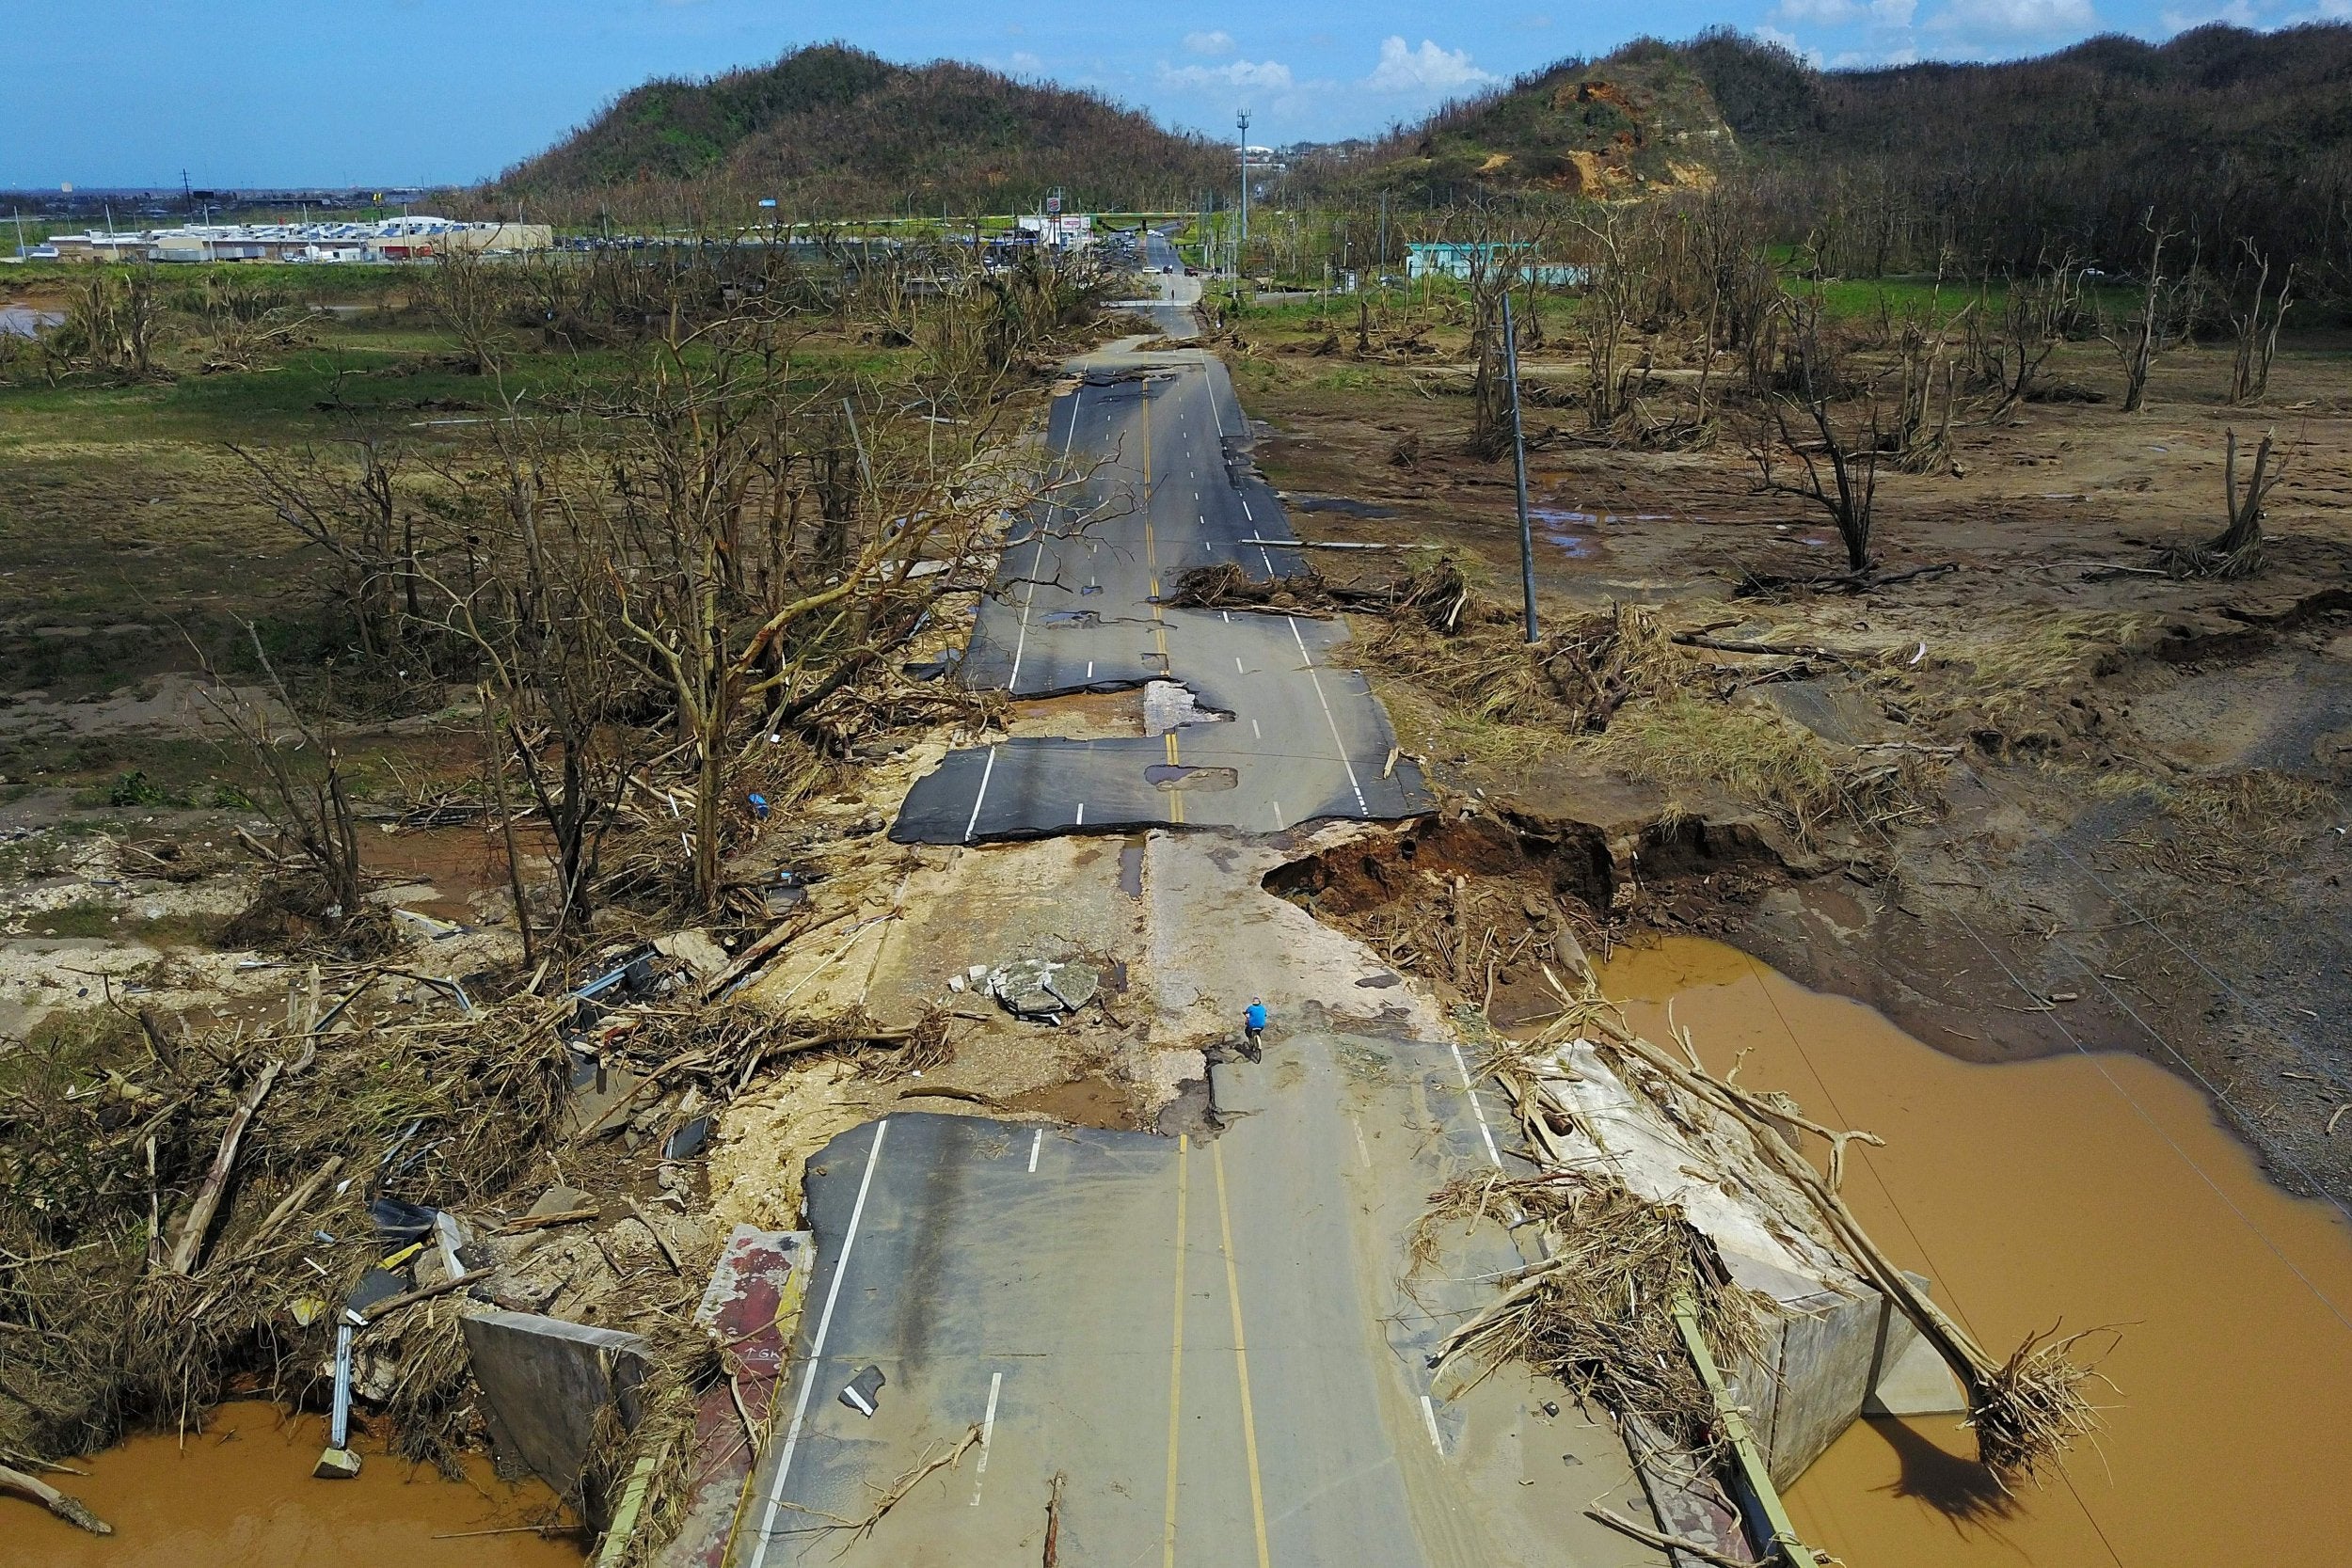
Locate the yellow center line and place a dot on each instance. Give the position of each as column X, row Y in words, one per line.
column 1175, row 791
column 1241, row 1357
column 1176, row 1359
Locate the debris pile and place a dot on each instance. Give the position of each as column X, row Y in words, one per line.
column 309, row 1209
column 1657, row 1178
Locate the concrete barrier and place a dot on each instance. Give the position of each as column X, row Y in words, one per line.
column 544, row 1383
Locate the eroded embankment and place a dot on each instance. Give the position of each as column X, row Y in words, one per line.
column 1482, row 901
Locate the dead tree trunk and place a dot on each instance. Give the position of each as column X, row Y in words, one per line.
column 2238, row 550
column 2257, row 328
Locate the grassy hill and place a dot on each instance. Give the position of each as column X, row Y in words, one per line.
column 830, row 131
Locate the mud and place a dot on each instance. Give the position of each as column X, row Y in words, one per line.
column 240, row 1494
column 2085, row 1191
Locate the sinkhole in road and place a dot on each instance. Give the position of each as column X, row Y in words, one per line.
column 1180, row 775
column 1113, row 711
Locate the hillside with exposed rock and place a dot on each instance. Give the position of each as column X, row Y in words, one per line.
column 1640, row 119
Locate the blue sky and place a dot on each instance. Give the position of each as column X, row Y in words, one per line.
column 257, row 92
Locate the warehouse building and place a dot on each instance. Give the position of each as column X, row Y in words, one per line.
column 400, row 239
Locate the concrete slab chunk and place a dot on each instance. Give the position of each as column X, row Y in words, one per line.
column 545, row 1380
column 336, row 1464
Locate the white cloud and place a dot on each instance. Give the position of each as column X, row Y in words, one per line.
column 1427, row 71
column 1025, row 63
column 1218, row 43
column 1995, row 19
column 1836, row 13
column 1265, row 76
column 1788, row 41
column 2237, row 13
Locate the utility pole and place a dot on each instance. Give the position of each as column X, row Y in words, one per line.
column 1519, row 464
column 1380, row 262
column 1242, row 239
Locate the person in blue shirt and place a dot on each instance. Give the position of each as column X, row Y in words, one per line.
column 1254, row 1023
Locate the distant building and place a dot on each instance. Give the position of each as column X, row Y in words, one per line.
column 403, row 239
column 1057, row 229
column 1455, row 259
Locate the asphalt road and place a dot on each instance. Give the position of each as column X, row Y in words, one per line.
column 1205, row 1341
column 1151, row 455
column 1207, row 1353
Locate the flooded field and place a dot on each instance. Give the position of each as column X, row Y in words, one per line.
column 240, row 1494
column 2075, row 1191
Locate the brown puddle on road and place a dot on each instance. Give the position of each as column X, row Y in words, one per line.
column 241, row 1496
column 2083, row 1191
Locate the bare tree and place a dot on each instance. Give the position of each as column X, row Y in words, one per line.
column 2256, row 323
column 474, row 298
column 2238, row 550
column 552, row 689
column 357, row 519
column 717, row 447
column 2010, row 346
column 306, row 800
column 2166, row 305
column 1836, row 471
column 1921, row 439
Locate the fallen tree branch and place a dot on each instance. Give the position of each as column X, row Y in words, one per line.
column 541, row 1222
column 390, row 1304
column 56, row 1502
column 190, row 1245
column 908, row 1482
column 1735, row 645
column 1664, row 1543
column 659, row 1238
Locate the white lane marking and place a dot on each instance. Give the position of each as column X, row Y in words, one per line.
column 1082, row 813
column 1238, row 669
column 1254, row 731
column 1327, row 716
column 1361, row 1148
column 1278, row 823
column 1037, row 1142
column 1245, row 509
column 988, row 1430
column 1089, row 669
column 1214, row 414
column 1476, row 1109
column 982, row 794
column 817, row 1349
column 1429, row 1413
column 1037, row 562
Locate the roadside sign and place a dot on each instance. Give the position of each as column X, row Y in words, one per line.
column 766, row 201
column 1053, row 204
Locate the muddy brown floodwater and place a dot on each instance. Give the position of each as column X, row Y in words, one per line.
column 240, row 1495
column 2081, row 1191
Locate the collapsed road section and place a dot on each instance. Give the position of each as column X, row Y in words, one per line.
column 1154, row 483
